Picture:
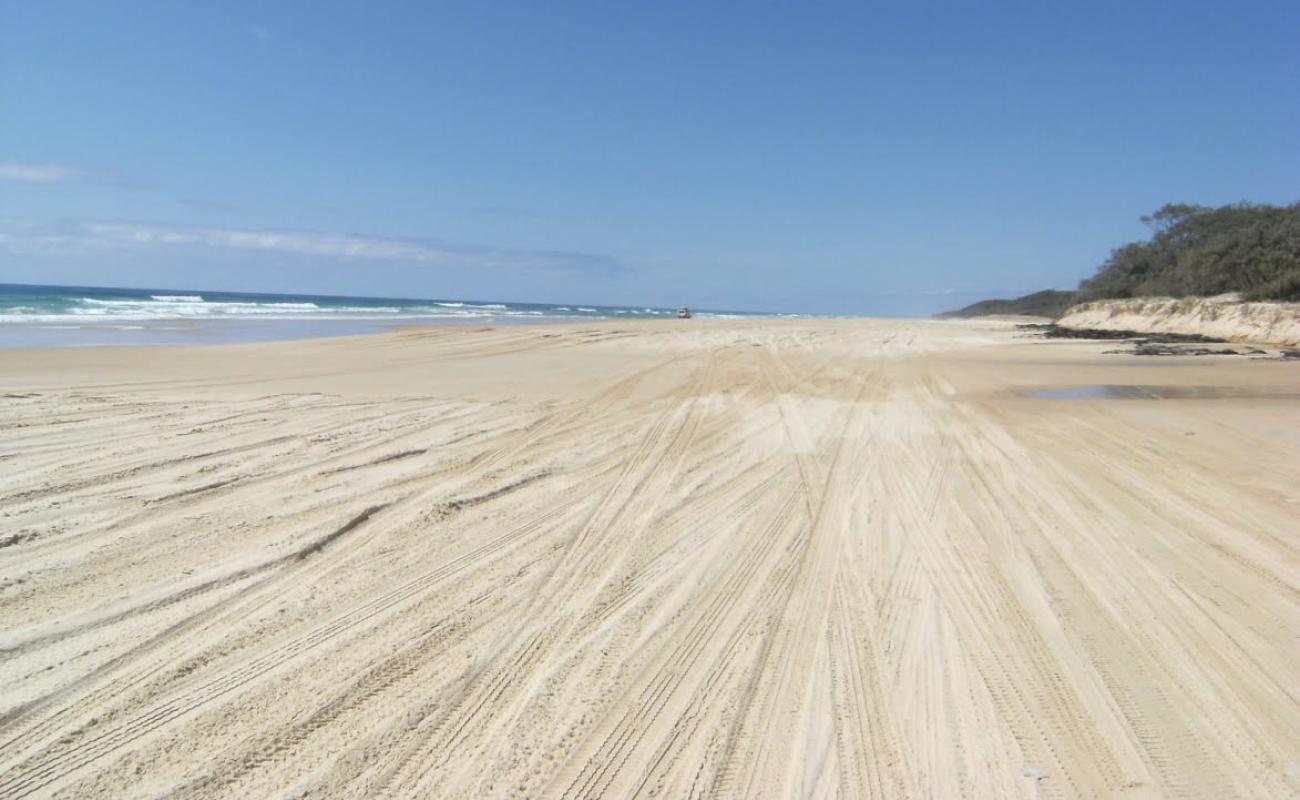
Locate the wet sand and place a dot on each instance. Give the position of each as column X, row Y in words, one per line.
column 708, row 558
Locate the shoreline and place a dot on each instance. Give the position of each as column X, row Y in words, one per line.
column 175, row 332
column 46, row 316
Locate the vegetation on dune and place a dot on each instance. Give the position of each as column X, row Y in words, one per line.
column 1047, row 303
column 1197, row 251
column 1194, row 251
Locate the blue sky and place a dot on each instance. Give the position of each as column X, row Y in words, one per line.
column 871, row 158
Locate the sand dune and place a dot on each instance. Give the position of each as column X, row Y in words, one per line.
column 1222, row 317
column 702, row 559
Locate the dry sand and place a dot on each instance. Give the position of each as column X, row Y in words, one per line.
column 734, row 559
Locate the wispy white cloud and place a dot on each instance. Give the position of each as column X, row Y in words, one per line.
column 88, row 236
column 37, row 173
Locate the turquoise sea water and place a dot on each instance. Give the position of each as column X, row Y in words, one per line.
column 79, row 315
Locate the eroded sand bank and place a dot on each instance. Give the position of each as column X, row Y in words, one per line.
column 734, row 559
column 1224, row 317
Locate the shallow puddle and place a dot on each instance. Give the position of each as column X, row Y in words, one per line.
column 1114, row 391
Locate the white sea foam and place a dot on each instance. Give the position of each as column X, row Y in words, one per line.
column 98, row 312
column 188, row 308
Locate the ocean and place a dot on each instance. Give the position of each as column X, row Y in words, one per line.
column 34, row 316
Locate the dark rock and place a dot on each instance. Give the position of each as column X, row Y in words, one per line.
column 1144, row 344
column 1057, row 332
column 1155, row 349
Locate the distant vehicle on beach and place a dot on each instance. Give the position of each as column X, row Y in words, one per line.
column 683, row 313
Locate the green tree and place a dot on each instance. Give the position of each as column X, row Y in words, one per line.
column 1198, row 251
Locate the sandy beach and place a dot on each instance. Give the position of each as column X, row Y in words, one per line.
column 709, row 558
